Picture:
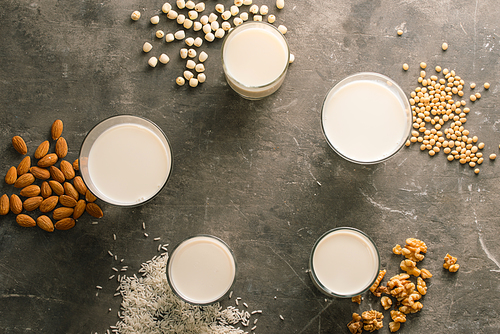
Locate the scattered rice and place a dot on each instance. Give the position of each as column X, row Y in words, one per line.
column 116, row 257
column 95, row 223
column 114, row 269
column 245, row 304
column 110, row 254
column 111, row 277
column 150, row 307
column 230, row 294
column 281, row 317
column 98, row 287
column 157, row 238
column 146, row 235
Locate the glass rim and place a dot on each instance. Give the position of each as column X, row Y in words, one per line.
column 256, row 23
column 168, row 148
column 401, row 94
column 316, row 280
column 169, row 261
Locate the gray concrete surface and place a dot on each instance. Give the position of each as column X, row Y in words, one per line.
column 248, row 172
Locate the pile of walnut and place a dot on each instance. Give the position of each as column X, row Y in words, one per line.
column 399, row 287
column 55, row 193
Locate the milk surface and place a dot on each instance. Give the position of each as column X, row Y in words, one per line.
column 201, row 270
column 345, row 262
column 128, row 164
column 365, row 121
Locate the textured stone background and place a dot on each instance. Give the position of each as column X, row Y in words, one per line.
column 248, row 171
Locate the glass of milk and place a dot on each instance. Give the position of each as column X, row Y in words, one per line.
column 201, row 269
column 255, row 59
column 125, row 160
column 366, row 118
column 344, row 262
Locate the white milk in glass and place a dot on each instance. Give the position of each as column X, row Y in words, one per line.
column 201, row 270
column 255, row 59
column 365, row 120
column 344, row 263
column 128, row 164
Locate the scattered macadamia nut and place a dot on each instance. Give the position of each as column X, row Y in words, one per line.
column 169, row 37
column 209, row 37
column 135, row 15
column 237, row 21
column 201, row 77
column 219, row 8
column 184, row 53
column 282, row 29
column 203, row 56
column 226, row 15
column 234, row 10
column 180, row 81
column 198, row 42
column 197, row 26
column 172, row 15
column 167, row 7
column 160, row 34
column 212, row 17
column 153, row 61
column 188, row 75
column 164, row 59
column 155, row 19
column 180, row 35
column 204, row 19
column 200, row 7
column 147, row 47
column 193, row 82
column 181, row 4
column 219, row 33
column 199, row 68
column 271, row 19
column 226, row 25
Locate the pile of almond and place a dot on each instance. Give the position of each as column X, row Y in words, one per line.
column 46, row 187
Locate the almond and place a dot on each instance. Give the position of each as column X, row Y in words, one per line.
column 76, row 165
column 49, row 204
column 16, row 206
column 19, row 145
column 65, row 224
column 24, row 180
column 45, row 189
column 56, row 129
column 56, row 187
column 24, row 166
column 40, row 173
column 45, row 223
column 67, row 201
column 89, row 197
column 61, row 213
column 80, row 185
column 56, row 174
column 67, row 170
column 32, row 203
column 61, row 147
column 25, row 220
column 71, row 191
column 11, row 176
column 79, row 209
column 30, row 191
column 47, row 160
column 42, row 150
column 94, row 210
column 4, row 205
